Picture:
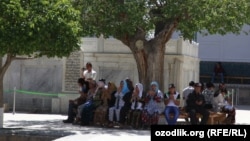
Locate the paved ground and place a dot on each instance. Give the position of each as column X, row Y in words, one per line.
column 51, row 125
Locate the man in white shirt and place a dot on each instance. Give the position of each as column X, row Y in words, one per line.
column 89, row 73
column 186, row 91
column 172, row 102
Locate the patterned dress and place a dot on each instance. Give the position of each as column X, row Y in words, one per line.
column 152, row 109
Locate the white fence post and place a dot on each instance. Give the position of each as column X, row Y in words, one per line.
column 14, row 101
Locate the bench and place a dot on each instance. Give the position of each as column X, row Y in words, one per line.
column 214, row 118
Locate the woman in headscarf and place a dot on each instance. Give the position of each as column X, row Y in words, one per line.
column 153, row 108
column 134, row 116
column 127, row 102
column 101, row 110
column 112, row 89
column 119, row 103
column 108, row 99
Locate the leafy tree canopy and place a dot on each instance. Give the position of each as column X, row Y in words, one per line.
column 119, row 18
column 48, row 27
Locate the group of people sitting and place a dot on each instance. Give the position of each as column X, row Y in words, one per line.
column 206, row 100
column 111, row 105
column 128, row 104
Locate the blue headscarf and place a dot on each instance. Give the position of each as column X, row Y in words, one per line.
column 125, row 88
column 156, row 84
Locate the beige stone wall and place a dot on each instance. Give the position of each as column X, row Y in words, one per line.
column 113, row 60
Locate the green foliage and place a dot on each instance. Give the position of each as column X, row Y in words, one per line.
column 119, row 18
column 48, row 27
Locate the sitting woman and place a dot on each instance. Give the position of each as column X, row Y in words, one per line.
column 127, row 102
column 119, row 103
column 222, row 103
column 134, row 116
column 101, row 110
column 111, row 90
column 172, row 101
column 153, row 108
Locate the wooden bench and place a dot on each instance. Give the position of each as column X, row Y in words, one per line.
column 214, row 118
column 217, row 118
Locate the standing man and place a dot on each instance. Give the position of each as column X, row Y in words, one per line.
column 218, row 70
column 89, row 73
column 186, row 91
column 196, row 104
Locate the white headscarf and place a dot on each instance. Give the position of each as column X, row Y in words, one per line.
column 140, row 87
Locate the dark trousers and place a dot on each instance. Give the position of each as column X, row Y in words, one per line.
column 192, row 114
column 134, row 118
column 71, row 111
column 87, row 114
column 230, row 115
column 123, row 114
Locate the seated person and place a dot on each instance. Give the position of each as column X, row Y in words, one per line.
column 127, row 102
column 196, row 104
column 209, row 95
column 152, row 108
column 185, row 92
column 222, row 103
column 119, row 103
column 134, row 116
column 74, row 104
column 101, row 110
column 84, row 114
column 172, row 101
column 87, row 115
column 112, row 89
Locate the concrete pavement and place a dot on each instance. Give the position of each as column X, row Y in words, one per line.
column 50, row 127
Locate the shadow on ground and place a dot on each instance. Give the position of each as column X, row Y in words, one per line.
column 56, row 128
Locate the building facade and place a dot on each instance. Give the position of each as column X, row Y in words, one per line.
column 47, row 84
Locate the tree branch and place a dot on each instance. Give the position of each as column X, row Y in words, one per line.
column 140, row 34
column 165, row 34
column 128, row 39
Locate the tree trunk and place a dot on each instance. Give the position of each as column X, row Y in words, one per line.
column 1, row 97
column 1, row 93
column 149, row 55
column 1, row 83
column 150, row 63
column 3, row 69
